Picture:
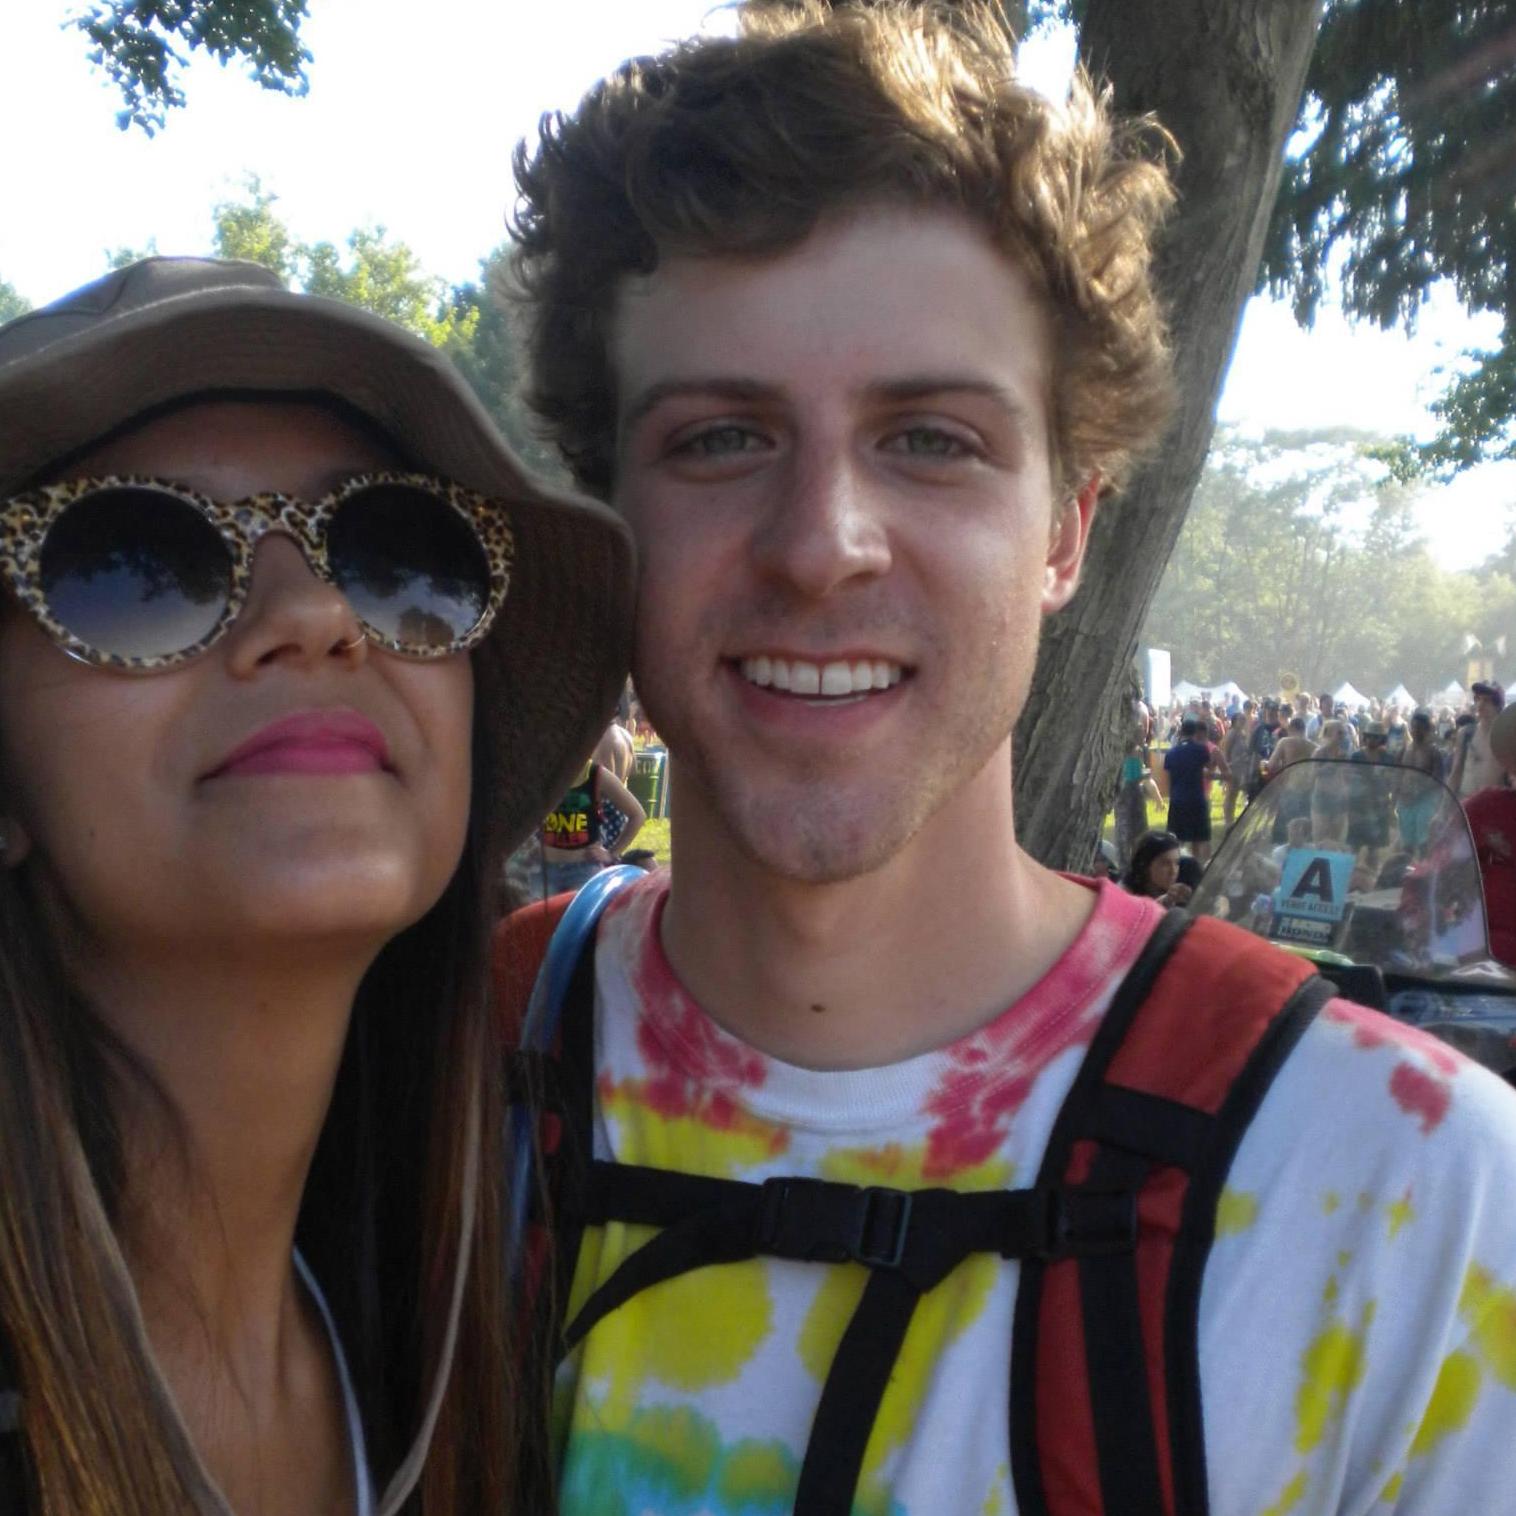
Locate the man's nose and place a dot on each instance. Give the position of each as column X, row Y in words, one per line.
column 825, row 525
column 291, row 616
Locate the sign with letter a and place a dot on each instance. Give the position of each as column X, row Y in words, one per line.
column 1313, row 885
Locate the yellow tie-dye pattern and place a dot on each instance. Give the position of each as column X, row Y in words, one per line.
column 1391, row 1491
column 1452, row 1402
column 1399, row 1213
column 760, row 1475
column 727, row 1310
column 690, row 1141
column 1489, row 1311
column 1235, row 1212
column 942, row 1315
column 904, row 1168
column 994, row 1502
column 1330, row 1202
column 1290, row 1497
column 1331, row 1368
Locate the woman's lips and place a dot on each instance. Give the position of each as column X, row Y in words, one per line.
column 309, row 742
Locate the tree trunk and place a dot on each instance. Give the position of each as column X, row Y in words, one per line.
column 1225, row 79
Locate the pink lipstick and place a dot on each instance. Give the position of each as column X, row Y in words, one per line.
column 309, row 742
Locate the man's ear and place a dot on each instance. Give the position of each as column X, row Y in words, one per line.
column 1070, row 537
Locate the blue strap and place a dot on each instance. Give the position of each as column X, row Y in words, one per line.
column 545, row 1008
column 540, row 1026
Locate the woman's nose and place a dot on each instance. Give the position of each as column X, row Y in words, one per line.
column 291, row 616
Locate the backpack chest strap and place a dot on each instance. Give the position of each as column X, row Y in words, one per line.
column 909, row 1240
column 921, row 1235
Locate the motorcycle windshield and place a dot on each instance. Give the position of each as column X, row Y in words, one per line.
column 1357, row 861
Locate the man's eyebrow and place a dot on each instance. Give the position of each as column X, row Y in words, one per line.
column 715, row 387
column 751, row 391
column 922, row 386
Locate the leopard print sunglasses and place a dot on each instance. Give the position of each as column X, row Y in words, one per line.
column 141, row 575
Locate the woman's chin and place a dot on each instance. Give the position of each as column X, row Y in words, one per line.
column 347, row 894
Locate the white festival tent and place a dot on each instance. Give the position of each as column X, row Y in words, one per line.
column 1218, row 694
column 1454, row 695
column 1346, row 695
column 1401, row 698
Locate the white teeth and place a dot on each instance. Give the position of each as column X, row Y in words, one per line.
column 837, row 679
column 832, row 681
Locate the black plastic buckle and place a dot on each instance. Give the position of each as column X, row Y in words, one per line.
column 1090, row 1223
column 818, row 1221
column 883, row 1221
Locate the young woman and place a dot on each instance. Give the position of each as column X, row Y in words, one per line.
column 290, row 648
column 589, row 829
column 1154, row 870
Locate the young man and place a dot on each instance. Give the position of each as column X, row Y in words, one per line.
column 1261, row 746
column 855, row 330
column 1475, row 766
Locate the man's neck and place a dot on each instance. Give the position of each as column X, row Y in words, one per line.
column 951, row 930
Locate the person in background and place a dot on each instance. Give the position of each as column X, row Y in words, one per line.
column 1136, row 793
column 1190, row 765
column 1293, row 747
column 1371, row 806
column 1475, row 766
column 291, row 647
column 1492, row 820
column 1419, row 805
column 1322, row 713
column 1234, row 748
column 1396, row 732
column 1261, row 746
column 615, row 752
column 1154, row 870
column 1332, row 786
column 588, row 830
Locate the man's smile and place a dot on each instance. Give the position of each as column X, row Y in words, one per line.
column 836, row 679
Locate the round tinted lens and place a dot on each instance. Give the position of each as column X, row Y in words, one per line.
column 409, row 564
column 135, row 573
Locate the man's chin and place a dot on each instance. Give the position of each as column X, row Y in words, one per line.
column 819, row 849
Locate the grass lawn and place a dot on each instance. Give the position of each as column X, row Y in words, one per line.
column 655, row 834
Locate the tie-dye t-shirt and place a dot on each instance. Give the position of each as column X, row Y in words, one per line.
column 1358, row 1317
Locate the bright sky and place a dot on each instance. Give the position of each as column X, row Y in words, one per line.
column 410, row 126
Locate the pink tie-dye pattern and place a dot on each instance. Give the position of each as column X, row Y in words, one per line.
column 692, row 1066
column 990, row 1073
column 1419, row 1092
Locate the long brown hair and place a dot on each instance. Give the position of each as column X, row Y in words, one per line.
column 416, row 1114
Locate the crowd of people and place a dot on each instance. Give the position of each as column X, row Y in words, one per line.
column 1244, row 744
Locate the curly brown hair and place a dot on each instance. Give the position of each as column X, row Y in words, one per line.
column 737, row 147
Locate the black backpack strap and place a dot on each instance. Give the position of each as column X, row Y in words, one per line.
column 1105, row 1397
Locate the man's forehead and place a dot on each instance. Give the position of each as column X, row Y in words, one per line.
column 878, row 297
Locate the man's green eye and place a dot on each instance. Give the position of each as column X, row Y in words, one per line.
column 719, row 440
column 929, row 441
